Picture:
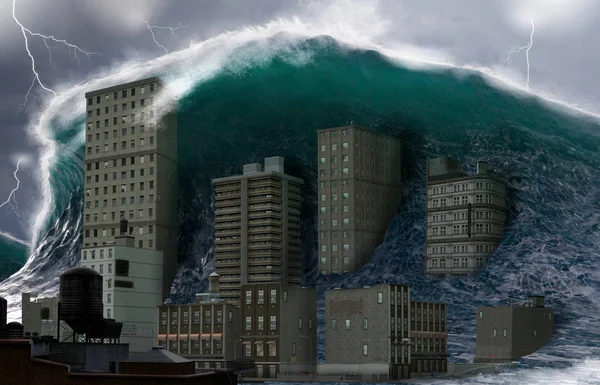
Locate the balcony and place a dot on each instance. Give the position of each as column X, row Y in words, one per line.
column 227, row 218
column 228, row 247
column 264, row 214
column 254, row 261
column 226, row 279
column 264, row 198
column 228, row 210
column 225, row 263
column 228, row 202
column 265, row 253
column 265, row 269
column 264, row 183
column 265, row 237
column 220, row 188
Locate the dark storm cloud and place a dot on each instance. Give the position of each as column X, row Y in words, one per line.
column 563, row 59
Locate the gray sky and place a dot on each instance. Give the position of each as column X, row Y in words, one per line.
column 564, row 59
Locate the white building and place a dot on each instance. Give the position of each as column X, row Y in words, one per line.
column 132, row 288
column 39, row 316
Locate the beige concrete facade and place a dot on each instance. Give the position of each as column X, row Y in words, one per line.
column 465, row 218
column 359, row 177
column 257, row 227
column 507, row 333
column 279, row 330
column 131, row 170
column 380, row 331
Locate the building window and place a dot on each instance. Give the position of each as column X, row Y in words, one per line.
column 365, row 350
column 259, row 350
column 365, row 323
column 300, row 323
column 310, row 324
column 272, row 350
column 248, row 297
column 294, row 349
column 196, row 317
column 261, row 297
column 480, row 315
column 494, row 333
column 248, row 323
column 109, row 298
column 273, row 296
column 273, row 323
column 285, row 296
column 347, row 323
column 334, row 324
column 248, row 350
column 504, row 333
column 535, row 332
column 230, row 316
column 380, row 297
column 260, row 323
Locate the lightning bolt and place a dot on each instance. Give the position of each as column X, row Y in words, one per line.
column 14, row 207
column 519, row 49
column 172, row 29
column 73, row 52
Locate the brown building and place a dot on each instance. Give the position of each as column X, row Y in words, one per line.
column 380, row 333
column 206, row 332
column 18, row 367
column 279, row 328
column 507, row 333
column 465, row 218
column 359, row 192
column 257, row 227
column 131, row 170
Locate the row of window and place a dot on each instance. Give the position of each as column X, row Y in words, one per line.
column 462, row 200
column 462, row 216
column 142, row 143
column 141, row 159
column 115, row 95
column 260, row 296
column 457, row 262
column 97, row 192
column 104, row 232
column 115, row 133
column 334, row 159
column 101, row 253
column 196, row 317
column 141, row 200
column 124, row 106
column 463, row 249
column 461, row 187
column 140, row 244
column 480, row 228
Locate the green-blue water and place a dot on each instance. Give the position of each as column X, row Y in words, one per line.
column 551, row 161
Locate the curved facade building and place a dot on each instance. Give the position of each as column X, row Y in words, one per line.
column 465, row 218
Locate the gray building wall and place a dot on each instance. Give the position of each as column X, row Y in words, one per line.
column 505, row 334
column 359, row 177
column 257, row 227
column 465, row 218
column 118, row 136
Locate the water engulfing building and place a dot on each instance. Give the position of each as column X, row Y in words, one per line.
column 465, row 218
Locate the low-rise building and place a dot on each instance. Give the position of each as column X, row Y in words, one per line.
column 279, row 328
column 132, row 287
column 379, row 333
column 465, row 218
column 206, row 331
column 507, row 333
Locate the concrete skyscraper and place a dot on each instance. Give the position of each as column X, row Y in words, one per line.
column 465, row 218
column 257, row 228
column 359, row 192
column 131, row 170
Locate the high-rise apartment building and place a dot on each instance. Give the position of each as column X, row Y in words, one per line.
column 359, row 192
column 257, row 227
column 380, row 333
column 131, row 170
column 465, row 218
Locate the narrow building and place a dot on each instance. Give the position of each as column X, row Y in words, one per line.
column 131, row 170
column 279, row 328
column 132, row 287
column 379, row 333
column 359, row 177
column 465, row 218
column 39, row 316
column 507, row 333
column 257, row 227
column 206, row 331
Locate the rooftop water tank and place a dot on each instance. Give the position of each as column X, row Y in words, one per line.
column 14, row 331
column 3, row 311
column 80, row 298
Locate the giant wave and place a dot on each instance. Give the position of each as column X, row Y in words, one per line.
column 251, row 98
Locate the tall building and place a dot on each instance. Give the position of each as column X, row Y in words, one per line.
column 359, row 192
column 465, row 218
column 257, row 227
column 279, row 330
column 206, row 331
column 380, row 333
column 131, row 170
column 132, row 287
column 507, row 333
